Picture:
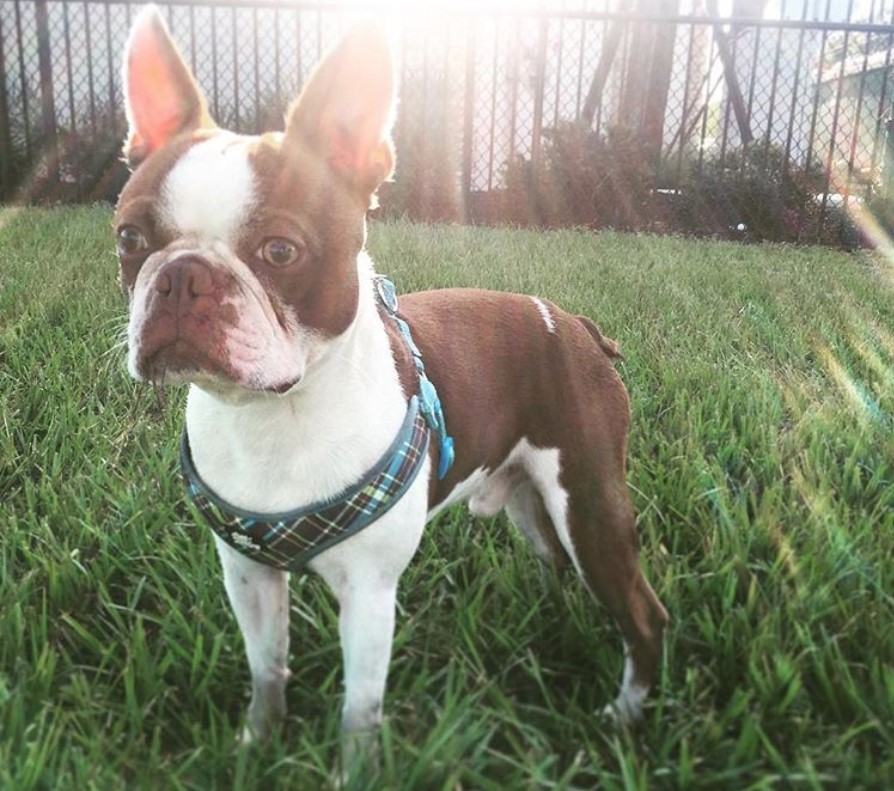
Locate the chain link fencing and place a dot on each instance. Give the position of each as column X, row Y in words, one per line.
column 561, row 114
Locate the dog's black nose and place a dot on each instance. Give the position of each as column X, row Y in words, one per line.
column 185, row 279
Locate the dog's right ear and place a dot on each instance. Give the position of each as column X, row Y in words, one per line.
column 162, row 99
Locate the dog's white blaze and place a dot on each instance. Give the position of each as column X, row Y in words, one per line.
column 210, row 190
column 547, row 317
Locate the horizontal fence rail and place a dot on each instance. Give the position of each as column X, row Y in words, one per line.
column 645, row 119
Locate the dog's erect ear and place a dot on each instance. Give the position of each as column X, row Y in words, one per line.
column 345, row 111
column 162, row 98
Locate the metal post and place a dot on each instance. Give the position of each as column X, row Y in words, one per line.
column 5, row 139
column 47, row 100
column 537, row 136
column 888, row 168
column 468, row 121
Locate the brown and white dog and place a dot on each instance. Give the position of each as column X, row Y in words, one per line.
column 244, row 265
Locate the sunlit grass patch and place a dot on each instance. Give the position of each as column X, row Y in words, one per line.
column 761, row 466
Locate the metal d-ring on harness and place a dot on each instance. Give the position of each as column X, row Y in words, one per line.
column 289, row 540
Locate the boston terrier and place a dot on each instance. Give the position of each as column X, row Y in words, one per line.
column 327, row 419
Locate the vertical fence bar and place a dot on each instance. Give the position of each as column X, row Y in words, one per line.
column 214, row 81
column 276, row 58
column 110, row 58
column 192, row 37
column 91, row 87
column 235, row 50
column 816, row 94
column 319, row 34
column 539, row 88
column 516, row 77
column 828, row 182
column 559, row 52
column 23, row 82
column 447, row 96
column 468, row 121
column 68, row 73
column 47, row 98
column 795, row 91
column 580, row 73
column 424, row 99
column 772, row 108
column 752, row 80
column 684, row 113
column 706, row 107
column 299, row 75
column 254, row 23
column 5, row 137
column 400, row 129
column 493, row 106
column 627, row 35
column 880, row 112
column 727, row 105
column 857, row 113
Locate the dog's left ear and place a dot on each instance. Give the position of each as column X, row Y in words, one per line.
column 346, row 110
column 162, row 99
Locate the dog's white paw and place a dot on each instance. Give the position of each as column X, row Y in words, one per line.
column 622, row 712
column 246, row 737
column 360, row 757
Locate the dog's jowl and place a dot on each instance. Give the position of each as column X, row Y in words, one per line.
column 327, row 419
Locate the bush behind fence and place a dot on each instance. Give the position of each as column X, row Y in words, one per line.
column 583, row 115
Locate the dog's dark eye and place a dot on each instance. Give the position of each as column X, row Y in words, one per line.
column 131, row 240
column 280, row 252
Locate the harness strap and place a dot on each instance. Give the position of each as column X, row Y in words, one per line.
column 430, row 403
column 289, row 540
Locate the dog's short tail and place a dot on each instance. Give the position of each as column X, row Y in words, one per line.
column 607, row 345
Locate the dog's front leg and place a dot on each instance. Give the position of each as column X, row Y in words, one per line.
column 366, row 629
column 259, row 596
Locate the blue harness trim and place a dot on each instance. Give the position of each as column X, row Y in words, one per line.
column 289, row 540
column 430, row 403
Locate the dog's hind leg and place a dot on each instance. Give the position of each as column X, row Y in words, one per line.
column 606, row 549
column 259, row 596
column 594, row 522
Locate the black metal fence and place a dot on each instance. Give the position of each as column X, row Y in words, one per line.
column 565, row 113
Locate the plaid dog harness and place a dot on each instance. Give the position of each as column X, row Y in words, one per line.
column 289, row 540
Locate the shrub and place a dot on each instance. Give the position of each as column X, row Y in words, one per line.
column 582, row 178
column 85, row 167
column 754, row 188
column 426, row 184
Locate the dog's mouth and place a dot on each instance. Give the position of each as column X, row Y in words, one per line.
column 182, row 361
column 282, row 389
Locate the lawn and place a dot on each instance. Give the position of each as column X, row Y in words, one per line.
column 762, row 471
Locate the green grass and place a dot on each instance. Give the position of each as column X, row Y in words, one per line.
column 761, row 464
